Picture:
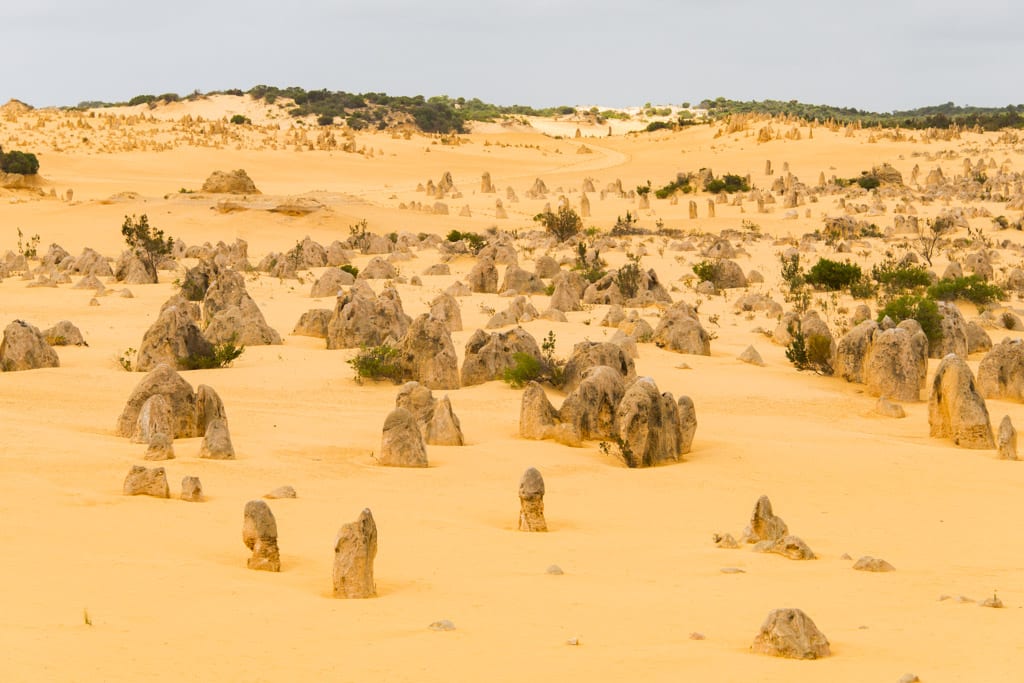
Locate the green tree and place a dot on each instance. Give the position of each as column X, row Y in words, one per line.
column 563, row 224
column 147, row 242
column 19, row 162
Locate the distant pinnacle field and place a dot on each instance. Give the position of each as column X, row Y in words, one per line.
column 767, row 386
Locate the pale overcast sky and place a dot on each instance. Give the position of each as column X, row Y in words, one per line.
column 869, row 54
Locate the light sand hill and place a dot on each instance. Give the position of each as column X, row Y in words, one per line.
column 164, row 582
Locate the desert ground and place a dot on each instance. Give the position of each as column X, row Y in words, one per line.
column 100, row 586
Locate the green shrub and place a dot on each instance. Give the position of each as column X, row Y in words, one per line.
column 148, row 242
column 326, row 120
column 657, row 125
column 833, row 275
column 895, row 277
column 350, row 269
column 809, row 353
column 376, row 362
column 728, row 183
column 222, row 357
column 19, row 162
column 680, row 184
column 971, row 288
column 592, row 269
column 141, row 99
column 563, row 225
column 238, row 119
column 922, row 309
column 125, row 359
column 526, row 369
column 863, row 288
column 473, row 240
column 868, row 182
column 618, row 448
column 706, row 271
column 627, row 225
column 29, row 248
column 628, row 277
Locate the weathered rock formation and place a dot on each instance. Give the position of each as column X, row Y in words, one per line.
column 1001, row 371
column 234, row 182
column 191, row 490
column 142, row 481
column 24, row 348
column 402, row 443
column 765, row 525
column 588, row 354
column 355, row 548
column 361, row 319
column 1006, row 441
column 173, row 339
column 217, row 441
column 155, row 417
column 956, row 410
column 649, row 425
column 259, row 533
column 790, row 633
column 165, row 381
column 531, row 501
column 488, row 355
column 435, row 417
column 680, row 330
column 426, row 354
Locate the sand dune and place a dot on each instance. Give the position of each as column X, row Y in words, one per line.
column 165, row 585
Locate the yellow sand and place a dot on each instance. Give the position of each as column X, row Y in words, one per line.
column 164, row 582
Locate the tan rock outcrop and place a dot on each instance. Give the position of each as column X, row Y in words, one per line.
column 355, row 548
column 956, row 410
column 259, row 533
column 402, row 442
column 531, row 501
column 792, row 634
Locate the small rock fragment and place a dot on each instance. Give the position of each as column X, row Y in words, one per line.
column 442, row 625
column 791, row 633
column 887, row 408
column 281, row 492
column 191, row 490
column 751, row 356
column 792, row 547
column 142, row 481
column 259, row 533
column 217, row 441
column 554, row 570
column 1006, row 440
column 725, row 541
column 994, row 602
column 161, row 447
column 764, row 524
column 873, row 564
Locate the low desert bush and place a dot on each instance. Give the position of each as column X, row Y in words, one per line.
column 922, row 309
column 563, row 225
column 376, row 362
column 223, row 356
column 526, row 369
column 809, row 353
column 970, row 288
column 833, row 275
